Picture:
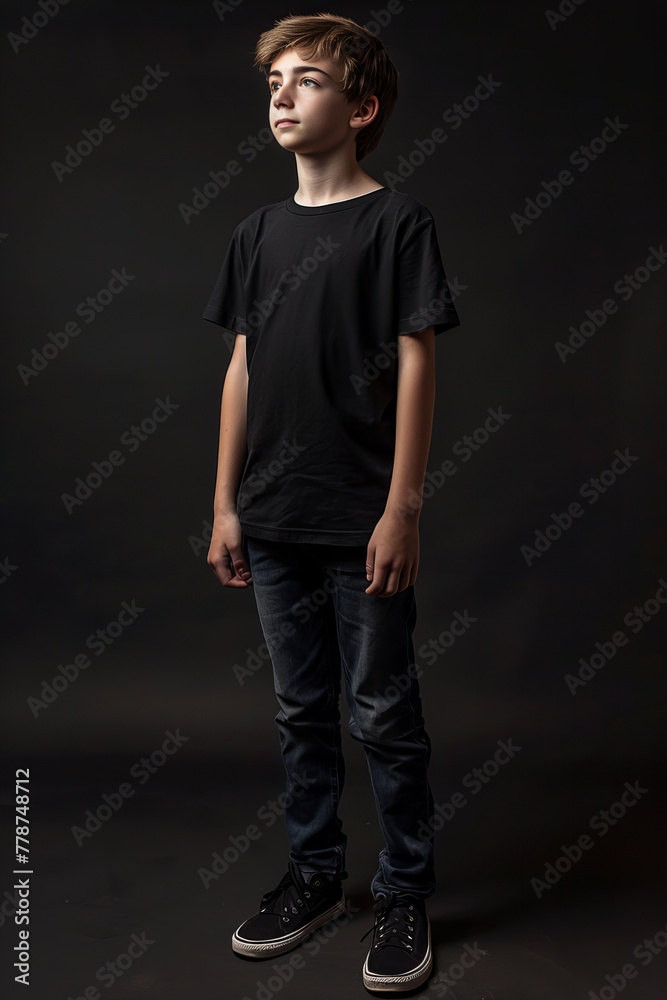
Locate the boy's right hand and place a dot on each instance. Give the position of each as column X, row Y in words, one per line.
column 225, row 554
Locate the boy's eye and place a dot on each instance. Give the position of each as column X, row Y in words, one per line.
column 306, row 79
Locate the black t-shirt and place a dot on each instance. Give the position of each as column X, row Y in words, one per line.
column 322, row 294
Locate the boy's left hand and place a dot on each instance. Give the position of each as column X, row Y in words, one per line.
column 393, row 554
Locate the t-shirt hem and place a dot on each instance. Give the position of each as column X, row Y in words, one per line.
column 305, row 535
column 441, row 323
column 213, row 316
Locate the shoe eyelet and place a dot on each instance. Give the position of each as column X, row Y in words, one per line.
column 307, row 895
column 294, row 909
column 286, row 919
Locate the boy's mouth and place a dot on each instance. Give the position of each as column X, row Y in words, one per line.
column 285, row 122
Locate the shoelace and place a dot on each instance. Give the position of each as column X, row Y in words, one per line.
column 394, row 923
column 291, row 894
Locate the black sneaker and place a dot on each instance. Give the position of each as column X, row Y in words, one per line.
column 400, row 957
column 290, row 913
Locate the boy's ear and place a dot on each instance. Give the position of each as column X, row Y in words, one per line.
column 366, row 112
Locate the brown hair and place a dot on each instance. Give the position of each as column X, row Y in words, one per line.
column 362, row 58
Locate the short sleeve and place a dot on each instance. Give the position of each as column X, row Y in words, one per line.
column 227, row 304
column 422, row 294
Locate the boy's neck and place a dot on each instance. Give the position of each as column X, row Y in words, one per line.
column 326, row 183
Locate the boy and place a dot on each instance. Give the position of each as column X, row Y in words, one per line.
column 335, row 296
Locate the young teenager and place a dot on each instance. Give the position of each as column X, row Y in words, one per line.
column 335, row 296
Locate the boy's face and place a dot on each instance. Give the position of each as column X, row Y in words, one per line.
column 309, row 93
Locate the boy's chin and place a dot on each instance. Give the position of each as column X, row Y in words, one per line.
column 284, row 138
column 294, row 145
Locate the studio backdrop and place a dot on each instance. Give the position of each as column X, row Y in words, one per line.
column 135, row 139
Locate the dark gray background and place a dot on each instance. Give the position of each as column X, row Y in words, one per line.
column 132, row 539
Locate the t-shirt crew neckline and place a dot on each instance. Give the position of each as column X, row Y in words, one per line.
column 336, row 206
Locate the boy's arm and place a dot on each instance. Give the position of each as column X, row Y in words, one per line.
column 225, row 554
column 393, row 550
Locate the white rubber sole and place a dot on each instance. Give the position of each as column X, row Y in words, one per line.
column 278, row 946
column 397, row 984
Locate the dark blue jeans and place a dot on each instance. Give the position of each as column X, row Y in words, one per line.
column 316, row 619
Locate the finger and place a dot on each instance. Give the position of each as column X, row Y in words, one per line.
column 392, row 585
column 229, row 579
column 242, row 570
column 370, row 562
column 376, row 589
column 403, row 581
column 237, row 561
column 227, row 573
